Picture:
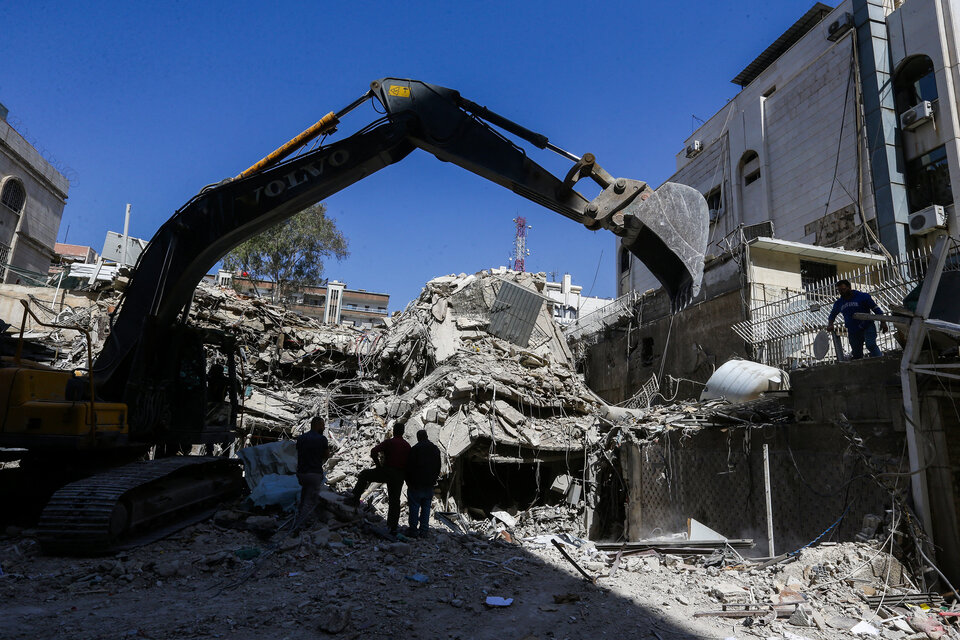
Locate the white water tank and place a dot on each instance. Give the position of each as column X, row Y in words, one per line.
column 742, row 380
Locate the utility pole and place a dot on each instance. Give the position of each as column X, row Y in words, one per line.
column 126, row 229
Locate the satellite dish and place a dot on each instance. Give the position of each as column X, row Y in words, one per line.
column 821, row 345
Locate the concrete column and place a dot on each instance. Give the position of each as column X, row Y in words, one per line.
column 880, row 118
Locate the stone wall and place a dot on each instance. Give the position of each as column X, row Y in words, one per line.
column 46, row 189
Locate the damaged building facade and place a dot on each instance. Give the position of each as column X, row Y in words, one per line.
column 32, row 196
column 837, row 159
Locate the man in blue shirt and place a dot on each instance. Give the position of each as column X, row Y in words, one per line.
column 850, row 302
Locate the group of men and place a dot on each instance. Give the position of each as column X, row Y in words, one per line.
column 395, row 463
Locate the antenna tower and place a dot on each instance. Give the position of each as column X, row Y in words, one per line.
column 520, row 251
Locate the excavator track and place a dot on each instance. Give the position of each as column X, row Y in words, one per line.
column 121, row 506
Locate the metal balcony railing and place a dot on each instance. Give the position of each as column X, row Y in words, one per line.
column 784, row 322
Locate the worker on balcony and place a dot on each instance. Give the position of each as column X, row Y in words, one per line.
column 850, row 302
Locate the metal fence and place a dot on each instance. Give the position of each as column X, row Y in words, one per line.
column 595, row 321
column 4, row 258
column 784, row 322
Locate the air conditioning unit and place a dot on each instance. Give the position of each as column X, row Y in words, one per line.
column 927, row 220
column 694, row 148
column 917, row 115
column 759, row 230
column 839, row 27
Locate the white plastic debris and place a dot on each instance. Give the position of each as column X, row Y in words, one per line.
column 497, row 601
column 865, row 628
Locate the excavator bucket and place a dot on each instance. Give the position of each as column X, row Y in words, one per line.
column 668, row 233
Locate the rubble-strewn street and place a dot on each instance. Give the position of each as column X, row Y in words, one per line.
column 231, row 578
column 522, row 440
column 261, row 376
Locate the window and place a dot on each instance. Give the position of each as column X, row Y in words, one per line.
column 624, row 260
column 813, row 272
column 646, row 352
column 715, row 203
column 13, row 196
column 915, row 81
column 750, row 167
column 928, row 180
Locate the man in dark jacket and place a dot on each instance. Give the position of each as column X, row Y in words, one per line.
column 390, row 471
column 852, row 301
column 312, row 451
column 423, row 468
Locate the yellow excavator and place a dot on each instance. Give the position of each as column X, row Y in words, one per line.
column 149, row 388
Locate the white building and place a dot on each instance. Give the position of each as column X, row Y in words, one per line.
column 820, row 146
column 570, row 303
column 32, row 197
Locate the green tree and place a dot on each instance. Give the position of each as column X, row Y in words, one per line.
column 290, row 254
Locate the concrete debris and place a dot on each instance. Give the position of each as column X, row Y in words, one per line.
column 524, row 445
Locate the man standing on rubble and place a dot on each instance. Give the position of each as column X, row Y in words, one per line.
column 313, row 449
column 391, row 470
column 423, row 469
column 852, row 301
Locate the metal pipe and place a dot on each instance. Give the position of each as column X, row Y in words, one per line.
column 86, row 334
column 23, row 328
column 326, row 124
column 916, row 447
column 536, row 139
column 126, row 230
column 323, row 125
column 766, row 490
column 562, row 152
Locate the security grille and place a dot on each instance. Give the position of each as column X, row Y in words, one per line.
column 4, row 259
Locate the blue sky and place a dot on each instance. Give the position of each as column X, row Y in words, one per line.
column 148, row 102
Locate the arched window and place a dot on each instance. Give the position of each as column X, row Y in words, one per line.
column 13, row 196
column 914, row 81
column 624, row 260
column 750, row 167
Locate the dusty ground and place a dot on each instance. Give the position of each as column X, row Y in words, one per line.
column 193, row 585
column 336, row 580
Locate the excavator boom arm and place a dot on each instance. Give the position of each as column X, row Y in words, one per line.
column 433, row 118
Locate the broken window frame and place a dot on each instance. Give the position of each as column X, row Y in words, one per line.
column 927, row 179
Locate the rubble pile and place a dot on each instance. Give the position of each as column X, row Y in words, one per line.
column 480, row 397
column 290, row 359
column 258, row 577
column 63, row 346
